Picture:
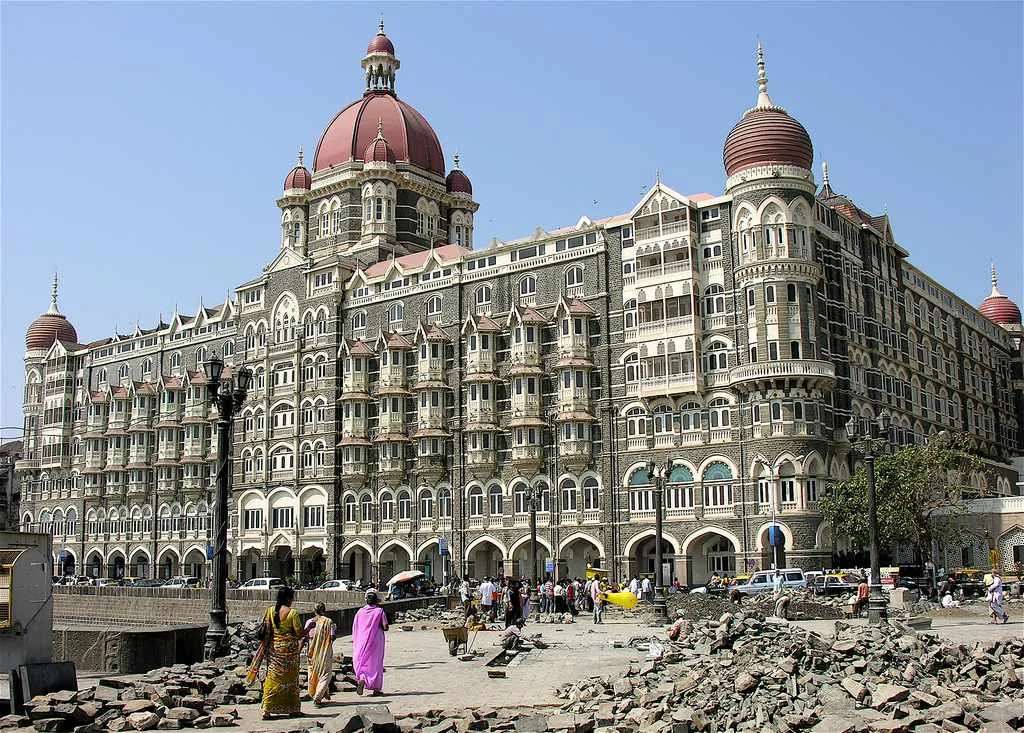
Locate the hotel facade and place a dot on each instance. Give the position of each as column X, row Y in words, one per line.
column 414, row 392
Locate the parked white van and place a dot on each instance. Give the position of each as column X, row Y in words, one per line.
column 262, row 584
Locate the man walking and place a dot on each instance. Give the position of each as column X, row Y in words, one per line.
column 645, row 589
column 487, row 599
column 598, row 601
column 634, row 586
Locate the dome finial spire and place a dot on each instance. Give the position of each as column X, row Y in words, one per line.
column 53, row 295
column 380, row 25
column 995, row 283
column 455, row 160
column 763, row 100
column 380, row 128
column 300, row 156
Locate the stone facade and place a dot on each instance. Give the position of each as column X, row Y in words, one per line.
column 411, row 391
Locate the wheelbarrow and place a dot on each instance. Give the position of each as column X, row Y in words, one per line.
column 458, row 636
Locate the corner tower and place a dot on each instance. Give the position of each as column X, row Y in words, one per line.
column 768, row 157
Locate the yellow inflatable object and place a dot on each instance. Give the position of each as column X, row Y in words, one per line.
column 623, row 600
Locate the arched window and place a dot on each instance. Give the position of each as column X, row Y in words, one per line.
column 521, row 499
column 476, row 502
column 434, row 305
column 200, row 356
column 103, row 371
column 679, row 488
column 495, row 501
column 122, row 372
column 358, row 321
column 366, row 508
column 574, row 276
column 714, row 300
column 482, row 296
column 769, row 293
column 387, row 507
column 629, row 313
column 147, row 367
column 662, row 419
column 229, row 348
column 568, row 495
column 718, row 412
column 444, row 504
column 528, row 286
column 396, row 313
column 350, row 508
column 636, row 423
column 591, row 494
column 404, row 506
column 689, row 416
column 716, row 357
column 717, row 480
column 632, row 366
column 426, row 504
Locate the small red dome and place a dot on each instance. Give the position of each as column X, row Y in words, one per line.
column 1000, row 309
column 349, row 134
column 298, row 178
column 458, row 182
column 48, row 328
column 381, row 44
column 767, row 135
column 378, row 151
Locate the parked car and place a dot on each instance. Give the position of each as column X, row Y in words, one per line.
column 182, row 582
column 262, row 584
column 335, row 585
column 764, row 580
column 834, row 584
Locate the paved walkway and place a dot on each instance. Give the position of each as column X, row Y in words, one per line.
column 420, row 675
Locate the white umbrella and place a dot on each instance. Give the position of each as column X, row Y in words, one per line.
column 405, row 576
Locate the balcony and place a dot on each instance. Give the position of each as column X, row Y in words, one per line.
column 714, row 323
column 315, row 471
column 817, row 373
column 431, row 418
column 681, row 513
column 668, row 384
column 194, row 486
column 480, row 362
column 526, row 354
column 353, row 473
column 665, row 328
column 392, row 375
column 574, row 346
column 279, row 474
column 726, row 510
column 430, row 370
column 94, row 461
column 391, row 468
column 481, row 413
column 430, row 467
column 525, row 406
column 575, row 454
column 196, row 412
column 665, row 272
column 642, row 442
column 481, row 461
column 591, row 516
column 355, row 383
column 391, row 422
column 997, row 505
column 573, row 400
column 648, row 234
column 354, row 426
column 527, row 457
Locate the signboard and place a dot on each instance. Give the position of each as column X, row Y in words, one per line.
column 209, row 551
column 549, row 566
column 993, row 557
column 442, row 546
column 775, row 536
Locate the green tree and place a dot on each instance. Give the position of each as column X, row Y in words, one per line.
column 921, row 494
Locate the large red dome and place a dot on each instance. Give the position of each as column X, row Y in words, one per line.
column 352, row 130
column 997, row 307
column 766, row 136
column 48, row 328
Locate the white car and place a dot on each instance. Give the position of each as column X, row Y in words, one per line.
column 262, row 584
column 335, row 585
column 764, row 580
column 182, row 582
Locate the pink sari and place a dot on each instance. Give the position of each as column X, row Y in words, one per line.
column 368, row 646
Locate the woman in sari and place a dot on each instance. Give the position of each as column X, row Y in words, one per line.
column 320, row 631
column 513, row 605
column 368, row 629
column 280, row 649
column 996, row 599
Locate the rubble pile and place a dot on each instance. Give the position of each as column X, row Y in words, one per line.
column 803, row 605
column 183, row 696
column 739, row 672
column 438, row 612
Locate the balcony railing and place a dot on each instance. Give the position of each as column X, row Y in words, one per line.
column 675, row 270
column 649, row 233
column 526, row 453
column 785, row 368
column 668, row 383
column 675, row 326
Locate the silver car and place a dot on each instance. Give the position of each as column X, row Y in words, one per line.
column 764, row 580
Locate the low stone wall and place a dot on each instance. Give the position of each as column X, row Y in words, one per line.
column 87, row 606
column 127, row 651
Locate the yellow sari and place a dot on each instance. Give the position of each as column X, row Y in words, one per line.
column 281, row 686
column 321, row 656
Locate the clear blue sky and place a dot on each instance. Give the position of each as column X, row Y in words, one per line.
column 144, row 144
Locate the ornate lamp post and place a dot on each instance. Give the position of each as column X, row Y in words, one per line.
column 656, row 476
column 869, row 443
column 226, row 397
column 534, row 598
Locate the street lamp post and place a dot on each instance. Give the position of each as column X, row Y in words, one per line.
column 226, row 397
column 657, row 477
column 869, row 444
column 534, row 598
